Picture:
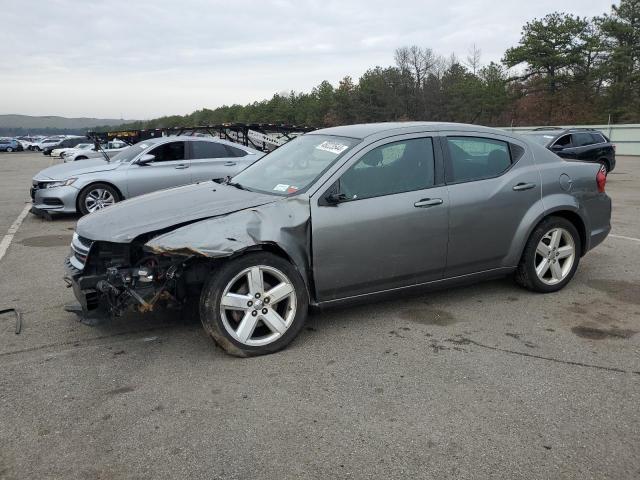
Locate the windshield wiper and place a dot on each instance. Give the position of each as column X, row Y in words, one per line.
column 237, row 185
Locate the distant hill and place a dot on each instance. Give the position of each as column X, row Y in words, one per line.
column 22, row 124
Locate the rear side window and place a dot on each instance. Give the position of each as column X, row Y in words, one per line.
column 168, row 152
column 581, row 139
column 597, row 138
column 396, row 167
column 208, row 150
column 235, row 152
column 476, row 158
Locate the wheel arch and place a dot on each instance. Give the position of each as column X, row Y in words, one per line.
column 83, row 189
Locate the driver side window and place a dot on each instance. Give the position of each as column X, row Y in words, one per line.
column 168, row 152
column 396, row 167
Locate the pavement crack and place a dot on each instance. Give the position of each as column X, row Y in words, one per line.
column 468, row 341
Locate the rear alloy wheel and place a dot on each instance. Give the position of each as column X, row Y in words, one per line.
column 254, row 305
column 9, row 149
column 551, row 256
column 96, row 197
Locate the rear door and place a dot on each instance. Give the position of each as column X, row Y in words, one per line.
column 493, row 183
column 211, row 160
column 170, row 168
column 391, row 229
column 583, row 145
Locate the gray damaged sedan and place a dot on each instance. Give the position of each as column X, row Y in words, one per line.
column 145, row 167
column 339, row 215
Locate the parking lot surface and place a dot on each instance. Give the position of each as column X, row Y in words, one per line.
column 486, row 381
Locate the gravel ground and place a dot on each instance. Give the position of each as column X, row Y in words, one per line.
column 486, row 381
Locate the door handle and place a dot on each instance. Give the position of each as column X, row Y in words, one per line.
column 230, row 164
column 428, row 202
column 182, row 166
column 523, row 186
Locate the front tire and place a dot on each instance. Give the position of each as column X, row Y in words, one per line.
column 96, row 197
column 551, row 256
column 253, row 305
column 9, row 149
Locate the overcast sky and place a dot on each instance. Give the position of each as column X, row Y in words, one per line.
column 141, row 59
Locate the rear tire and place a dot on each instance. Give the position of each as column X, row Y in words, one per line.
column 266, row 315
column 551, row 256
column 9, row 149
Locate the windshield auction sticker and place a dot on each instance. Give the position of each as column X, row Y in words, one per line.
column 281, row 187
column 333, row 147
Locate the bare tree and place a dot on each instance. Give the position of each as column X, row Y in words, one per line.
column 474, row 55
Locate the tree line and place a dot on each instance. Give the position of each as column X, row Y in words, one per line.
column 566, row 69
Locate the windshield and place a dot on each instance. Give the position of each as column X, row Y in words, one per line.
column 129, row 153
column 542, row 138
column 294, row 166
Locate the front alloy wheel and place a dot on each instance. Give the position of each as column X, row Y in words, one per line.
column 254, row 304
column 96, row 197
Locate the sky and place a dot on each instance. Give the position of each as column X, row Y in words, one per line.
column 141, row 59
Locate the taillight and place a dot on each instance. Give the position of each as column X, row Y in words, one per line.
column 601, row 178
column 614, row 147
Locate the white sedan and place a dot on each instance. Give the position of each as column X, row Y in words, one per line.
column 61, row 152
column 111, row 148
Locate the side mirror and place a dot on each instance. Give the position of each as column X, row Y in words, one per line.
column 146, row 158
column 335, row 198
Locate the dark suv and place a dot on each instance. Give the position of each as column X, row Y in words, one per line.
column 586, row 144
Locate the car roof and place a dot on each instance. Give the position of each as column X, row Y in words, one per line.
column 190, row 138
column 364, row 130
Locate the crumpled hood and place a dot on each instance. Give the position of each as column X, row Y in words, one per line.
column 73, row 169
column 163, row 209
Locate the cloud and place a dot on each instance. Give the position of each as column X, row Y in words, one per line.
column 147, row 58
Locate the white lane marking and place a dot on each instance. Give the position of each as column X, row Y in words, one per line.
column 625, row 238
column 6, row 240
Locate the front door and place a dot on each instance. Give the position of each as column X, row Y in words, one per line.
column 390, row 229
column 170, row 168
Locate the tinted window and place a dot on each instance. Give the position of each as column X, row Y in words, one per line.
column 168, row 152
column 236, row 152
column 597, row 138
column 581, row 139
column 393, row 168
column 474, row 158
column 208, row 150
column 565, row 141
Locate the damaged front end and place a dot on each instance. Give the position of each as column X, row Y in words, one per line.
column 111, row 278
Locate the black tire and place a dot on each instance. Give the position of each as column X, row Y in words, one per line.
column 81, row 207
column 212, row 294
column 9, row 149
column 526, row 272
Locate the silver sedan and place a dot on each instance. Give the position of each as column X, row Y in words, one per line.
column 145, row 167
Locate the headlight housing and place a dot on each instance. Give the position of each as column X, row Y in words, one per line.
column 61, row 183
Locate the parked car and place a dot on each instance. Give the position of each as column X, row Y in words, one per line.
column 585, row 144
column 61, row 152
column 145, row 167
column 46, row 143
column 339, row 215
column 111, row 149
column 68, row 142
column 10, row 145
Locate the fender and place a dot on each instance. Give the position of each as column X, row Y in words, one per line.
column 284, row 226
column 560, row 202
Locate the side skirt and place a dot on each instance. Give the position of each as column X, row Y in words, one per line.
column 419, row 288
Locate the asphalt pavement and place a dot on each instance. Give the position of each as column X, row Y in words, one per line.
column 486, row 381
